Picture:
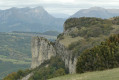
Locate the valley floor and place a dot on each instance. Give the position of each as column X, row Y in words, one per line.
column 112, row 74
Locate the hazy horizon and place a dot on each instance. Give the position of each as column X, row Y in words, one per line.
column 60, row 6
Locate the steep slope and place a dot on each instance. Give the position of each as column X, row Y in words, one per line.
column 97, row 12
column 79, row 34
column 100, row 57
column 83, row 33
column 29, row 19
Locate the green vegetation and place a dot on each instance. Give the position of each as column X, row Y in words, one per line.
column 115, row 20
column 49, row 69
column 17, row 75
column 83, row 33
column 86, row 27
column 112, row 74
column 90, row 30
column 103, row 56
column 68, row 40
column 10, row 44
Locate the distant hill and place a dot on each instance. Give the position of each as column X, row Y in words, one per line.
column 29, row 19
column 51, row 33
column 97, row 12
column 48, row 33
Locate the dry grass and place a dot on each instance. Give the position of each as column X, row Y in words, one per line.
column 115, row 30
column 68, row 40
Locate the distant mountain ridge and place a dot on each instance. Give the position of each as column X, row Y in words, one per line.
column 97, row 12
column 39, row 20
column 29, row 19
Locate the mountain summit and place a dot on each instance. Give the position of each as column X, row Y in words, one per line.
column 29, row 19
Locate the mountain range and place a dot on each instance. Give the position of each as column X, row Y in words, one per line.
column 97, row 12
column 39, row 20
column 29, row 19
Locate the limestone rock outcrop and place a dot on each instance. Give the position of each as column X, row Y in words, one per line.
column 67, row 56
column 43, row 50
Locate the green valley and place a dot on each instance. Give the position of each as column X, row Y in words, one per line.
column 15, row 51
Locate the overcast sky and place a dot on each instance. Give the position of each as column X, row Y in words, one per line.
column 60, row 6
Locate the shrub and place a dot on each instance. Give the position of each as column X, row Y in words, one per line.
column 103, row 56
column 56, row 67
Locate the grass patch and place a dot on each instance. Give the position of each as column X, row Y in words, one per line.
column 14, row 61
column 68, row 40
column 2, row 56
column 112, row 74
column 116, row 29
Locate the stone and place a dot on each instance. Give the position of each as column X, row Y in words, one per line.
column 43, row 50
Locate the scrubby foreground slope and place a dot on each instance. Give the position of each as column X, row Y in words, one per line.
column 99, row 75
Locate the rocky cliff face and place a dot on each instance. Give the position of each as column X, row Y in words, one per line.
column 67, row 57
column 42, row 50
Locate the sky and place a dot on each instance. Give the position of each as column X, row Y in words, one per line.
column 60, row 6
